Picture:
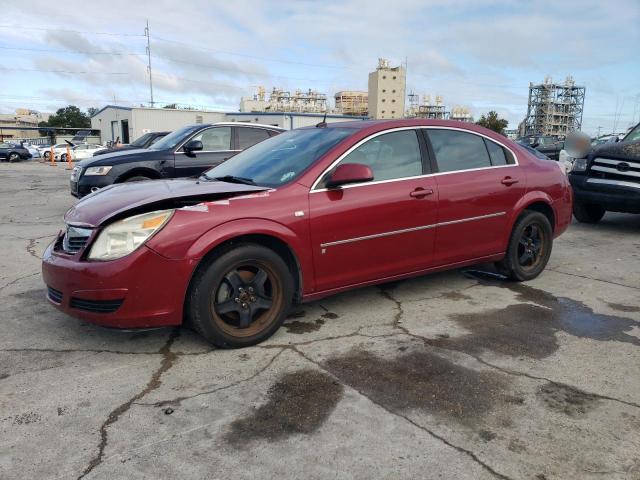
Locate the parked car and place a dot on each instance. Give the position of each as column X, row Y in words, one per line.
column 303, row 215
column 32, row 149
column 13, row 152
column 185, row 152
column 83, row 151
column 58, row 149
column 546, row 144
column 607, row 178
column 145, row 141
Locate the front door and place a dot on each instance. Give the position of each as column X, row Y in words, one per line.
column 380, row 228
column 216, row 148
column 478, row 185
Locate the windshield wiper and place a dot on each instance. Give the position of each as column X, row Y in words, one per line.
column 233, row 179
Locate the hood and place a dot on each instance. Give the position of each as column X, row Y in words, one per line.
column 619, row 150
column 115, row 158
column 136, row 197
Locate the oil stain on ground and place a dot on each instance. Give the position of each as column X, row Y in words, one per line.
column 529, row 329
column 566, row 399
column 420, row 380
column 299, row 402
column 303, row 327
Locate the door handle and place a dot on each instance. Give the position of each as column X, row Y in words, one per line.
column 421, row 192
column 508, row 181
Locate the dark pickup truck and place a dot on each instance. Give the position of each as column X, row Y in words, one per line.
column 545, row 144
column 607, row 179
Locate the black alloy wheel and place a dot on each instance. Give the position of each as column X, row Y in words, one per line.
column 240, row 296
column 529, row 247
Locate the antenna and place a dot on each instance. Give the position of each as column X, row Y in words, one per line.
column 323, row 123
column 146, row 34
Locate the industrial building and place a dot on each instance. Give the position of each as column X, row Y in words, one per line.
column 128, row 123
column 349, row 102
column 387, row 91
column 553, row 108
column 309, row 101
column 461, row 114
column 426, row 109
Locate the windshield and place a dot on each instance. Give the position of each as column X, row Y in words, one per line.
column 139, row 142
column 281, row 159
column 633, row 135
column 174, row 138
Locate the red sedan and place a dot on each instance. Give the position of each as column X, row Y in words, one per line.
column 302, row 215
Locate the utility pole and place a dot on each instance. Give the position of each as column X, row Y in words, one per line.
column 146, row 34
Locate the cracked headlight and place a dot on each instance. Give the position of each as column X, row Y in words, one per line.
column 124, row 236
column 97, row 171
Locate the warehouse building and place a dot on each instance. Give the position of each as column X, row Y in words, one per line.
column 128, row 123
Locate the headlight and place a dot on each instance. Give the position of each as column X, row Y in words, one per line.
column 124, row 236
column 579, row 165
column 97, row 171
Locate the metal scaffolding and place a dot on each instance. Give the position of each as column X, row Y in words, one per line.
column 554, row 108
column 350, row 102
column 426, row 109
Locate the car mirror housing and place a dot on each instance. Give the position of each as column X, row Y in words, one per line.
column 349, row 173
column 193, row 146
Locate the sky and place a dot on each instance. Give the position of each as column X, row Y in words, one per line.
column 476, row 53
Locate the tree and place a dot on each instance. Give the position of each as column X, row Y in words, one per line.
column 91, row 111
column 69, row 117
column 493, row 122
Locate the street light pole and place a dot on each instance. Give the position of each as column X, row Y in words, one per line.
column 146, row 34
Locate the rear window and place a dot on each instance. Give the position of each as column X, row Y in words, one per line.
column 457, row 151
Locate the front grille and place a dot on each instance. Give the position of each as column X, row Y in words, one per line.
column 54, row 295
column 75, row 239
column 610, row 169
column 96, row 306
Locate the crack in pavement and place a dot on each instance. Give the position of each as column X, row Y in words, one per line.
column 16, row 280
column 593, row 278
column 178, row 400
column 168, row 357
column 426, row 341
column 458, row 448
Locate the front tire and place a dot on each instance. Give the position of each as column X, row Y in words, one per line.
column 137, row 178
column 63, row 157
column 587, row 213
column 529, row 247
column 13, row 157
column 240, row 296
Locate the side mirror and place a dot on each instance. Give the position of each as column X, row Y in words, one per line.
column 193, row 146
column 535, row 144
column 349, row 173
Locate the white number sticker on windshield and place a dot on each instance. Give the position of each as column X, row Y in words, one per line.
column 287, row 176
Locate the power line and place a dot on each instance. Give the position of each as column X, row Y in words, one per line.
column 4, row 47
column 61, row 71
column 22, row 27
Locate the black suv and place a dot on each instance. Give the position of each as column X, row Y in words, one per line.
column 12, row 152
column 145, row 141
column 546, row 144
column 186, row 152
column 607, row 179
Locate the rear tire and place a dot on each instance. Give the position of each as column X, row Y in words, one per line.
column 240, row 296
column 529, row 247
column 47, row 155
column 587, row 213
column 13, row 157
column 63, row 157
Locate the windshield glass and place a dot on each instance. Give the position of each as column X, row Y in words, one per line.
column 633, row 135
column 139, row 142
column 281, row 159
column 174, row 138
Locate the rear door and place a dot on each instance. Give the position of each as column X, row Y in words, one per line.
column 249, row 136
column 216, row 148
column 380, row 228
column 479, row 184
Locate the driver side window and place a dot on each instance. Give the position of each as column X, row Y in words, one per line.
column 215, row 139
column 390, row 156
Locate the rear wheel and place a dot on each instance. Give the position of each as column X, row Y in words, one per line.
column 529, row 247
column 13, row 157
column 63, row 157
column 587, row 213
column 47, row 155
column 240, row 297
